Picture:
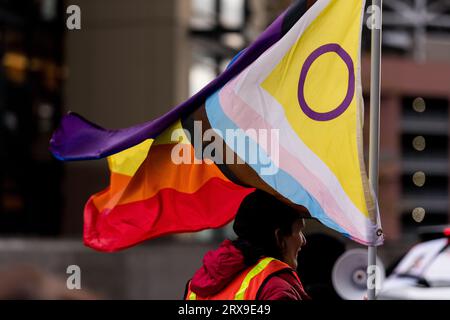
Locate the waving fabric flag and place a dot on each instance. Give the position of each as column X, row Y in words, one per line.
column 308, row 87
column 299, row 79
column 151, row 196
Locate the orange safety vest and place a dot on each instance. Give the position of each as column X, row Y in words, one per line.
column 247, row 284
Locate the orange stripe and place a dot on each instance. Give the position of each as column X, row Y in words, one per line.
column 158, row 172
column 111, row 196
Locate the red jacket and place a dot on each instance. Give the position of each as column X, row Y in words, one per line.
column 221, row 266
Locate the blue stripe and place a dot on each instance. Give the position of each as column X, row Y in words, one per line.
column 281, row 181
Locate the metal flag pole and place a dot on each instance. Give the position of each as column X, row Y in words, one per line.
column 375, row 96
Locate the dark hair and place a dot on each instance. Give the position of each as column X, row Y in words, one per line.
column 259, row 216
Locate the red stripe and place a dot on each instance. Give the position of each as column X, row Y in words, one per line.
column 213, row 206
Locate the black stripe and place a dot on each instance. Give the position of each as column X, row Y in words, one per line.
column 294, row 13
column 188, row 124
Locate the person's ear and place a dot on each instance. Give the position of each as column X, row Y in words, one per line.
column 279, row 239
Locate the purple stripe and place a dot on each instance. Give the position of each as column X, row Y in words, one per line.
column 78, row 139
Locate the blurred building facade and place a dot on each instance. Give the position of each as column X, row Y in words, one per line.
column 31, row 101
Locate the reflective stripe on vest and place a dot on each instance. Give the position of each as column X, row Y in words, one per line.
column 192, row 296
column 254, row 272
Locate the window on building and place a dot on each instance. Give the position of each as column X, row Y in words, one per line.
column 425, row 151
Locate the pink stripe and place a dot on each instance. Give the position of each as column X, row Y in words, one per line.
column 244, row 117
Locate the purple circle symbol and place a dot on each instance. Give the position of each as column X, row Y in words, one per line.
column 333, row 114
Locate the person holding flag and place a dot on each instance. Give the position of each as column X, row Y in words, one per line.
column 261, row 264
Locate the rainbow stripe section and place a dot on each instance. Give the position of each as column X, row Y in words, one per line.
column 150, row 196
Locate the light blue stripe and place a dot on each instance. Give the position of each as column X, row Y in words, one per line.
column 282, row 182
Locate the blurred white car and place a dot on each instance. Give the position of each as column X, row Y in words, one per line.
column 424, row 273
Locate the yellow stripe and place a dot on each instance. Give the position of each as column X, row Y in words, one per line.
column 253, row 273
column 334, row 142
column 192, row 296
column 173, row 135
column 128, row 161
